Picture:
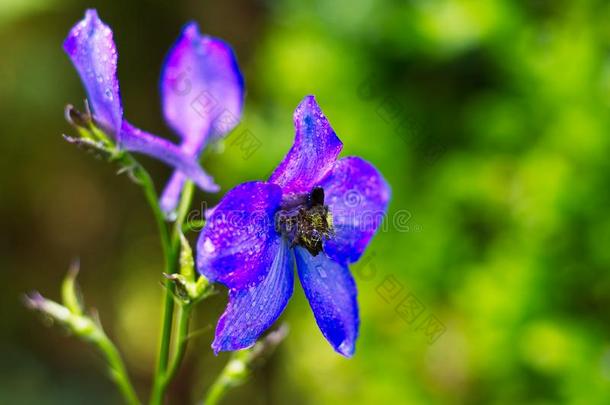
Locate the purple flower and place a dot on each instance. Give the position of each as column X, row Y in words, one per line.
column 211, row 67
column 323, row 209
column 202, row 94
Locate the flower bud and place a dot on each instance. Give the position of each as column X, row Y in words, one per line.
column 70, row 293
column 187, row 264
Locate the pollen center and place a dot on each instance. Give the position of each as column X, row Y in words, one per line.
column 306, row 221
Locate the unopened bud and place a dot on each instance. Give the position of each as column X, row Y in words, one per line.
column 77, row 324
column 187, row 264
column 77, row 118
column 70, row 292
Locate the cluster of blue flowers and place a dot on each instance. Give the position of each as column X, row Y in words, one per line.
column 316, row 209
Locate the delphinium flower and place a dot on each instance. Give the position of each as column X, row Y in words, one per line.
column 323, row 209
column 202, row 96
column 91, row 48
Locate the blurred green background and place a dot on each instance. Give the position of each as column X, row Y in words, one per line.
column 490, row 120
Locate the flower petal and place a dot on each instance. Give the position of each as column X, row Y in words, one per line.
column 357, row 196
column 202, row 94
column 202, row 87
column 315, row 148
column 238, row 244
column 253, row 310
column 136, row 140
column 92, row 50
column 331, row 292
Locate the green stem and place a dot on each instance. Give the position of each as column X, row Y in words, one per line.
column 145, row 181
column 171, row 249
column 170, row 245
column 217, row 391
column 168, row 314
column 233, row 374
column 148, row 187
column 118, row 371
column 184, row 205
column 239, row 367
column 179, row 344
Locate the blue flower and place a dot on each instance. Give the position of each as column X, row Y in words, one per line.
column 316, row 208
column 197, row 68
column 202, row 95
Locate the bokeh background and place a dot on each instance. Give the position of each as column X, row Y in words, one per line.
column 490, row 120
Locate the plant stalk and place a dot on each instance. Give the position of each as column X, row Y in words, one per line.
column 171, row 247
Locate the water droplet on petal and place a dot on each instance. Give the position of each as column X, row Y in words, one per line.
column 208, row 246
column 321, row 271
column 345, row 347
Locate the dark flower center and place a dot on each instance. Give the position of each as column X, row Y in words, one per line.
column 305, row 220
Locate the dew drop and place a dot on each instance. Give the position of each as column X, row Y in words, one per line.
column 208, row 246
column 108, row 94
column 345, row 347
column 321, row 271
